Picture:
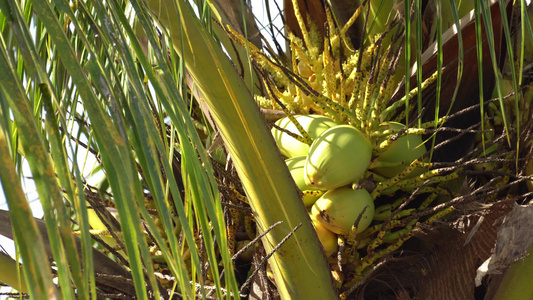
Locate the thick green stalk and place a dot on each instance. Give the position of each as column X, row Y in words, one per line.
column 299, row 266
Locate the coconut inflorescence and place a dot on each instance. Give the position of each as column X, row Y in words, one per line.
column 366, row 179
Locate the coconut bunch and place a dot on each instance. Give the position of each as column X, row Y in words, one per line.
column 330, row 169
column 345, row 144
column 360, row 162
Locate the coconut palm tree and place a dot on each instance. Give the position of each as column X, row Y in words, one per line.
column 186, row 180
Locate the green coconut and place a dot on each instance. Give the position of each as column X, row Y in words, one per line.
column 296, row 167
column 400, row 153
column 339, row 209
column 338, row 157
column 314, row 125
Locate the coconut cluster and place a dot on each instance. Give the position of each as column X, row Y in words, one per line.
column 338, row 157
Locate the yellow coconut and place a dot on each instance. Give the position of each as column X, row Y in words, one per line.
column 339, row 209
column 327, row 238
